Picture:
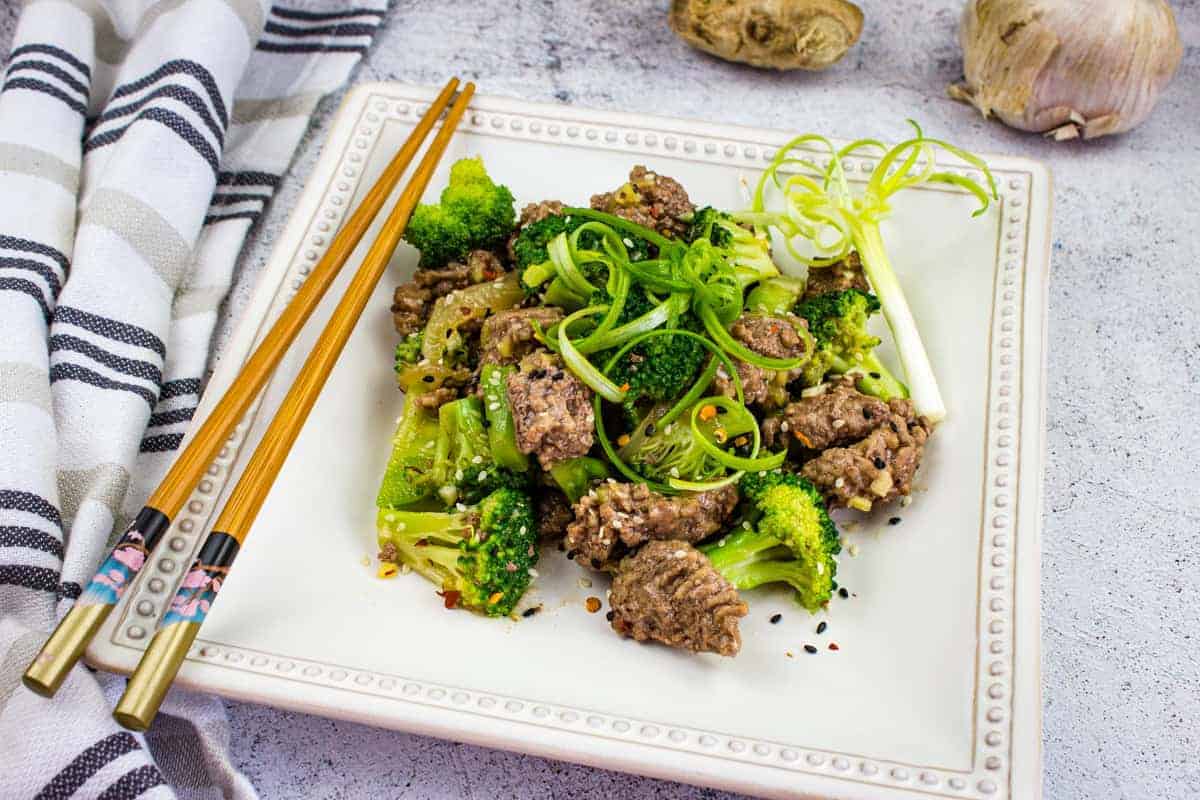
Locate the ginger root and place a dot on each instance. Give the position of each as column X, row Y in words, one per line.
column 777, row 34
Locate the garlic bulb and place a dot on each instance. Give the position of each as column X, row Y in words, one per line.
column 1067, row 68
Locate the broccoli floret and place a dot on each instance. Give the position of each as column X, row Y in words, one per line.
column 749, row 252
column 787, row 537
column 474, row 212
column 533, row 259
column 838, row 322
column 464, row 469
column 662, row 367
column 661, row 452
column 408, row 351
column 480, row 558
column 409, row 476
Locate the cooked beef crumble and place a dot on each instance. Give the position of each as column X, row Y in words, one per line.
column 668, row 592
column 508, row 336
column 651, row 200
column 877, row 469
column 774, row 337
column 839, row 416
column 618, row 517
column 553, row 514
column 552, row 409
column 845, row 274
column 413, row 301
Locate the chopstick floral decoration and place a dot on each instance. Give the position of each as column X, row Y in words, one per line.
column 114, row 575
column 820, row 207
column 197, row 592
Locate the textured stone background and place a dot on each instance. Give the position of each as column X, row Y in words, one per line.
column 1121, row 574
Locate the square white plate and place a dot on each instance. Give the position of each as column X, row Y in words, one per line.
column 935, row 689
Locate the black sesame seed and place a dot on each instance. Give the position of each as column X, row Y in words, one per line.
column 650, row 429
column 874, row 375
column 808, row 648
column 596, row 563
column 868, row 413
column 879, row 463
column 571, row 555
column 557, row 376
column 427, row 378
column 529, row 612
column 821, row 626
column 775, row 618
column 842, row 593
column 609, row 616
column 894, row 521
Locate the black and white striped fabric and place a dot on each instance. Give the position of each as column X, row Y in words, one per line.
column 139, row 142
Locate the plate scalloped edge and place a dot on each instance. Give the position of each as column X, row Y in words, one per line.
column 1007, row 752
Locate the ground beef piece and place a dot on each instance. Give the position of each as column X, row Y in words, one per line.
column 410, row 308
column 388, row 552
column 756, row 383
column 771, row 336
column 618, row 517
column 879, row 468
column 507, row 336
column 651, row 200
column 536, row 212
column 552, row 409
column 669, row 592
column 845, row 274
column 840, row 415
column 413, row 301
column 553, row 514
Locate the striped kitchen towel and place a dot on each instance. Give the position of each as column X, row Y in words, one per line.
column 139, row 142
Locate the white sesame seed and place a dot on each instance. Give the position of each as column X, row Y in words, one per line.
column 533, row 573
column 680, row 553
column 405, row 569
column 482, row 475
column 820, row 568
column 852, row 550
column 838, row 423
column 524, row 529
column 477, row 460
column 783, row 426
column 906, row 501
column 839, row 483
column 584, row 583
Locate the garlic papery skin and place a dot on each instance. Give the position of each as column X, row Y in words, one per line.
column 1067, row 68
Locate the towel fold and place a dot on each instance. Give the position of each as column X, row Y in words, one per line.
column 139, row 142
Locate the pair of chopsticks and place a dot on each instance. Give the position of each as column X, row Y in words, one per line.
column 180, row 625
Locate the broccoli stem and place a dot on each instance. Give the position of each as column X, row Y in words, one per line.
column 872, row 376
column 731, row 554
column 575, row 475
column 537, row 274
column 502, row 436
column 927, row 398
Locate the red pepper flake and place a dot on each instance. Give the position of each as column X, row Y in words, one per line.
column 833, row 646
column 422, row 542
column 592, row 604
column 450, row 598
column 624, row 387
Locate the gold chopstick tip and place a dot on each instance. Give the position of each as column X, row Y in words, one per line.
column 149, row 683
column 64, row 648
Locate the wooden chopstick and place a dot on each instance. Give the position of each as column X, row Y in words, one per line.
column 70, row 639
column 162, row 659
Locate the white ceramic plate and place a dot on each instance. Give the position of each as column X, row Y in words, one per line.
column 935, row 689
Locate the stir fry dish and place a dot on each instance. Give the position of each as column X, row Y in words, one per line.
column 678, row 396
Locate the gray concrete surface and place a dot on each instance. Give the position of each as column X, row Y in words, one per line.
column 1121, row 574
